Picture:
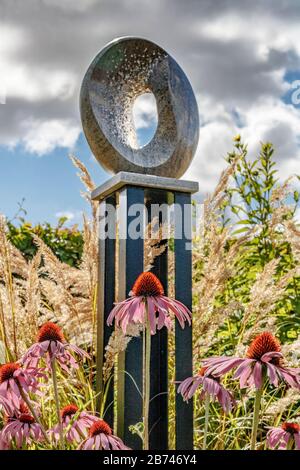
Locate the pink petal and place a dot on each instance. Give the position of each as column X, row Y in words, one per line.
column 257, row 375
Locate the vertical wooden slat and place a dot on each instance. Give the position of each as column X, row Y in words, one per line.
column 158, row 413
column 183, row 338
column 130, row 266
column 106, row 296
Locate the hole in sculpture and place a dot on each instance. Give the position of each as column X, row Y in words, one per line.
column 145, row 118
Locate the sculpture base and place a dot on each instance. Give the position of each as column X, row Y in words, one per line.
column 124, row 178
column 121, row 260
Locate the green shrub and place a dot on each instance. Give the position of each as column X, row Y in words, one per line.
column 66, row 243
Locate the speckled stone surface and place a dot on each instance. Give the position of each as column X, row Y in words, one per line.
column 123, row 70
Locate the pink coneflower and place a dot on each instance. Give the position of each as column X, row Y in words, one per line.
column 102, row 438
column 263, row 356
column 22, row 430
column 52, row 346
column 211, row 387
column 8, row 418
column 284, row 437
column 77, row 424
column 15, row 382
column 148, row 296
column 51, row 340
column 148, row 306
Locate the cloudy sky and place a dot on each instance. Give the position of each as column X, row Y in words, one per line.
column 241, row 57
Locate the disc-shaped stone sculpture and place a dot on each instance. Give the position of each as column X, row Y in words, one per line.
column 123, row 70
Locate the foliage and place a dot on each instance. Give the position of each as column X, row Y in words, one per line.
column 66, row 243
column 246, row 280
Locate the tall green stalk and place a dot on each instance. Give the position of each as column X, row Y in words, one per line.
column 146, row 373
column 32, row 410
column 56, row 398
column 207, row 403
column 257, row 404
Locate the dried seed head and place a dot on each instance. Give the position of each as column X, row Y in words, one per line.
column 99, row 427
column 68, row 410
column 292, row 428
column 26, row 418
column 7, row 371
column 147, row 284
column 50, row 332
column 262, row 344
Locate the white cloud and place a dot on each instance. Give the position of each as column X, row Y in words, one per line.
column 72, row 216
column 43, row 137
column 215, row 141
column 35, row 84
column 69, row 215
column 144, row 111
column 11, row 40
column 277, row 122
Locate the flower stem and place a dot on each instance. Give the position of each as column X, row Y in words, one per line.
column 55, row 388
column 290, row 444
column 146, row 390
column 207, row 402
column 28, row 403
column 257, row 403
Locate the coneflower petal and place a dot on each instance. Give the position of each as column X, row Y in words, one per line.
column 267, row 357
column 289, row 377
column 151, row 315
column 297, row 441
column 257, row 375
column 272, row 374
column 218, row 367
column 277, row 437
column 192, row 389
